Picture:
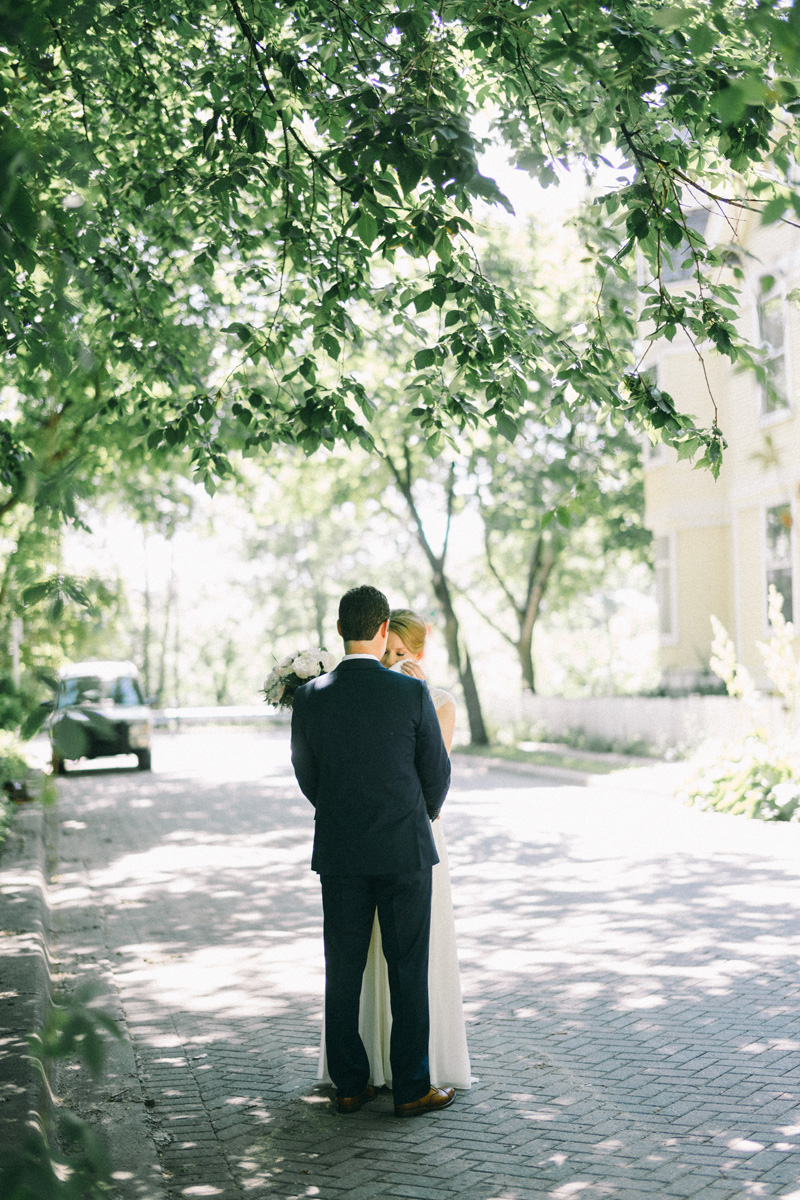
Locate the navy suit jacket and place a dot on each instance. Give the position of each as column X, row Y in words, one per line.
column 368, row 753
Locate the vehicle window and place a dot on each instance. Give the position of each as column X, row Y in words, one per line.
column 83, row 689
column 88, row 689
column 126, row 691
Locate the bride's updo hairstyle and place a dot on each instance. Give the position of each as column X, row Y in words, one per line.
column 409, row 627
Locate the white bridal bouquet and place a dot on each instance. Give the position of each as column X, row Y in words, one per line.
column 286, row 676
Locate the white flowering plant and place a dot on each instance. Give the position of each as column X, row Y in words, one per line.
column 759, row 775
column 293, row 670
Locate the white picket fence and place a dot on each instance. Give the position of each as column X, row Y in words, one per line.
column 663, row 722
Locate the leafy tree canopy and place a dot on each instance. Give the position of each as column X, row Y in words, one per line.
column 198, row 201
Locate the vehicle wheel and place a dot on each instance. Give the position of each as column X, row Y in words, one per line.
column 144, row 760
column 59, row 766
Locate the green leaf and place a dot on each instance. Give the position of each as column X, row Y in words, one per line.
column 33, row 723
column 100, row 724
column 672, row 16
column 702, row 39
column 424, row 358
column 774, row 209
column 673, row 232
column 731, row 103
column 331, row 345
column 637, row 224
column 36, row 592
column 443, row 246
column 367, row 228
column 70, row 736
column 409, row 172
column 370, row 99
column 688, row 448
column 507, row 426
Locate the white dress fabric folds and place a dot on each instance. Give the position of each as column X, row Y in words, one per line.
column 447, row 1049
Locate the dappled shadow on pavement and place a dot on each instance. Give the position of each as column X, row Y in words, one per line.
column 629, row 971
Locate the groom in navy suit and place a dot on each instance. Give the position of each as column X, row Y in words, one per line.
column 368, row 753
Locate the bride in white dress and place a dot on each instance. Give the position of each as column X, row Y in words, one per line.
column 447, row 1048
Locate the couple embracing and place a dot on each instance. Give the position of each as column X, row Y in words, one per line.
column 371, row 754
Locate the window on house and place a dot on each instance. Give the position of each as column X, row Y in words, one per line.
column 678, row 264
column 779, row 555
column 771, row 312
column 662, row 555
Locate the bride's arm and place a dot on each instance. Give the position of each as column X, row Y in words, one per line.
column 447, row 722
column 446, row 712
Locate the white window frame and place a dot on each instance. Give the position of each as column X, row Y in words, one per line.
column 784, row 411
column 670, row 561
column 767, row 565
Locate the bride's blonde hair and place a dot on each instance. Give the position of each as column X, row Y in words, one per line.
column 409, row 627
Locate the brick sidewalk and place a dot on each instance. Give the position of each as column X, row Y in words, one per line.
column 630, row 975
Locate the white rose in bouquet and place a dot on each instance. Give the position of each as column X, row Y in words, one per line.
column 327, row 661
column 293, row 670
column 306, row 665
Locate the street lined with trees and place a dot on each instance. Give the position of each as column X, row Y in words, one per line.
column 207, row 216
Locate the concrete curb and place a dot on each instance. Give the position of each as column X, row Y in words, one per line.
column 26, row 1099
column 113, row 1105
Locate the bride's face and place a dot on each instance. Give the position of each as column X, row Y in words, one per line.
column 397, row 650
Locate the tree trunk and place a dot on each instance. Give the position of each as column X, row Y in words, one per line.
column 541, row 565
column 441, row 589
column 477, row 730
column 461, row 664
column 146, row 628
column 176, row 652
column 320, row 613
column 525, row 656
column 163, row 650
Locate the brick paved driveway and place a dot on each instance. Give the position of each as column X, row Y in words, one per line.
column 630, row 972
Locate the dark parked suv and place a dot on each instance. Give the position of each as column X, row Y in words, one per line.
column 99, row 710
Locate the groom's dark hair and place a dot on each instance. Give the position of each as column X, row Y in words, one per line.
column 362, row 611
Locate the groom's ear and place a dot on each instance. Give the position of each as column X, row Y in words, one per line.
column 339, row 628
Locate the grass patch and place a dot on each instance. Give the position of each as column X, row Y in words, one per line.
column 542, row 758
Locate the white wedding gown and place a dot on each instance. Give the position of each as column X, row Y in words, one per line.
column 447, row 1048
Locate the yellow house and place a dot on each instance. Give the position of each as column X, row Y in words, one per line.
column 719, row 544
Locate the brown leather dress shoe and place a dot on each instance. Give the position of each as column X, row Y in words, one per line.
column 436, row 1099
column 351, row 1104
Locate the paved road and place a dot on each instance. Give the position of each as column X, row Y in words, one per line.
column 630, row 974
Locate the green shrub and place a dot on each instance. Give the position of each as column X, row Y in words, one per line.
column 13, row 766
column 13, row 763
column 12, row 704
column 750, row 778
column 37, row 1169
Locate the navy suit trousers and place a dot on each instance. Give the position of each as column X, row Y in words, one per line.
column 403, row 904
